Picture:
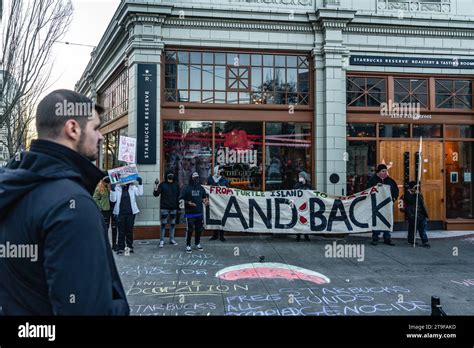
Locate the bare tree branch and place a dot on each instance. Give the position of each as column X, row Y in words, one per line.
column 29, row 33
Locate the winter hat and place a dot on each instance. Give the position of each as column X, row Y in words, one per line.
column 304, row 175
column 195, row 175
column 381, row 167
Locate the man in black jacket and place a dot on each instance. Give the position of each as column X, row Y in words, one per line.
column 169, row 205
column 194, row 195
column 381, row 177
column 46, row 202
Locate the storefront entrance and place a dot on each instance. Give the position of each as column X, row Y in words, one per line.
column 402, row 156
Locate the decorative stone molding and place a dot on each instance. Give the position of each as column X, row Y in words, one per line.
column 304, row 3
column 133, row 19
column 233, row 25
column 391, row 30
column 440, row 6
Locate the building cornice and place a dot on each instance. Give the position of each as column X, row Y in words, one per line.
column 407, row 31
column 206, row 23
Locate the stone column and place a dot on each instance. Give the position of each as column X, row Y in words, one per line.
column 145, row 46
column 329, row 56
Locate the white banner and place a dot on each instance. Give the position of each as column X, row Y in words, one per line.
column 298, row 211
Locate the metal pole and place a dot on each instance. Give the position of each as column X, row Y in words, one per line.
column 420, row 157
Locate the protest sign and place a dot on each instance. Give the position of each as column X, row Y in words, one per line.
column 127, row 149
column 123, row 175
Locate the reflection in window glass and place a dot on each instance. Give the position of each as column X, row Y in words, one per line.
column 196, row 58
column 208, row 77
column 459, row 131
column 220, row 78
column 187, row 148
column 239, row 152
column 288, row 152
column 361, row 130
column 269, row 79
column 183, row 75
column 110, row 149
column 394, row 131
column 195, row 78
column 207, row 97
column 268, row 60
column 220, row 58
column 427, row 131
column 459, row 188
column 360, row 165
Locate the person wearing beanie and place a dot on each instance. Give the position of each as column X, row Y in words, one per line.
column 194, row 196
column 302, row 184
column 381, row 177
column 410, row 198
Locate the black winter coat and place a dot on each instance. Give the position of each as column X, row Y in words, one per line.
column 46, row 201
column 375, row 180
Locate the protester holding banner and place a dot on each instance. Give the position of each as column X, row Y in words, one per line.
column 218, row 179
column 421, row 214
column 381, row 177
column 194, row 195
column 302, row 184
column 126, row 208
column 169, row 205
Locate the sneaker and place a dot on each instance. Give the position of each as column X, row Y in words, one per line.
column 426, row 245
column 173, row 242
column 130, row 250
column 389, row 242
column 374, row 242
column 162, row 244
column 222, row 239
column 213, row 238
column 120, row 252
column 199, row 247
column 188, row 249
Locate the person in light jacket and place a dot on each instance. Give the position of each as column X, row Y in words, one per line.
column 125, row 199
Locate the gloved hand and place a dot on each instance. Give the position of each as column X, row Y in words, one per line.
column 140, row 180
column 113, row 187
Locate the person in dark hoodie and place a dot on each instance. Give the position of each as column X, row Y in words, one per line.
column 381, row 177
column 169, row 205
column 302, row 184
column 410, row 198
column 194, row 195
column 218, row 179
column 46, row 202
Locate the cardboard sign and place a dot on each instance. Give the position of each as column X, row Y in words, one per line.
column 123, row 175
column 127, row 149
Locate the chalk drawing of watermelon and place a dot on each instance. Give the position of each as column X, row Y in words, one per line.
column 271, row 270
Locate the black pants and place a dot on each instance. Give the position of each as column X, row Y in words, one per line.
column 125, row 229
column 218, row 234
column 110, row 218
column 421, row 228
column 194, row 224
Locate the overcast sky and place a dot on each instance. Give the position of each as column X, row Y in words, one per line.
column 90, row 20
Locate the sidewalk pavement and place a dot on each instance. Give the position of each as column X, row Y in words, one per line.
column 267, row 276
column 431, row 234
